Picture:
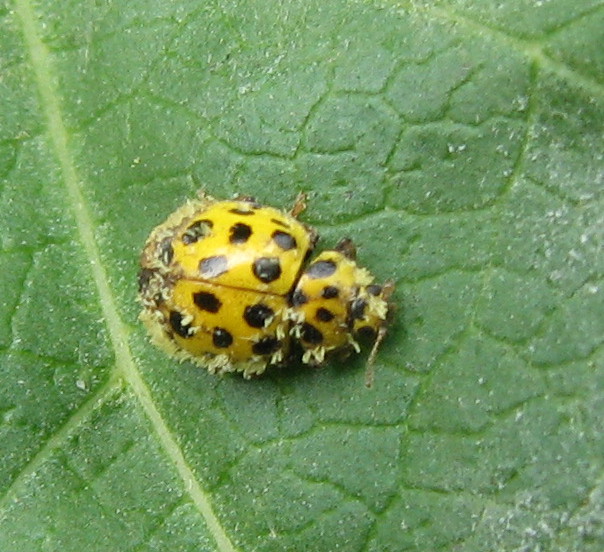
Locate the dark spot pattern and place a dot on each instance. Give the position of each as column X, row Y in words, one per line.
column 279, row 223
column 284, row 240
column 257, row 315
column 298, row 298
column 267, row 269
column 166, row 251
column 310, row 334
column 324, row 315
column 366, row 332
column 240, row 233
column 266, row 346
column 207, row 301
column 211, row 267
column 321, row 269
column 357, row 309
column 176, row 322
column 374, row 289
column 330, row 292
column 199, row 229
column 221, row 338
column 242, row 212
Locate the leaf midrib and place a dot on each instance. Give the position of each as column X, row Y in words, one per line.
column 125, row 366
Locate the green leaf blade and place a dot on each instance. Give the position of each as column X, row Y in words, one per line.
column 459, row 145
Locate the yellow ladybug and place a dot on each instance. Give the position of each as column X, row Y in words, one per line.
column 227, row 285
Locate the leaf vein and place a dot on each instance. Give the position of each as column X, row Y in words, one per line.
column 56, row 440
column 125, row 365
column 532, row 49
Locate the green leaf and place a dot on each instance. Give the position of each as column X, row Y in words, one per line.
column 458, row 142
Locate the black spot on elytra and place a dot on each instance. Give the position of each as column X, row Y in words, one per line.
column 166, row 251
column 324, row 315
column 242, row 212
column 266, row 346
column 221, row 338
column 267, row 269
column 257, row 315
column 367, row 332
column 280, row 223
column 199, row 229
column 211, row 267
column 284, row 240
column 330, row 292
column 310, row 334
column 207, row 301
column 321, row 269
column 374, row 289
column 176, row 322
column 240, row 233
column 298, row 298
column 357, row 309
